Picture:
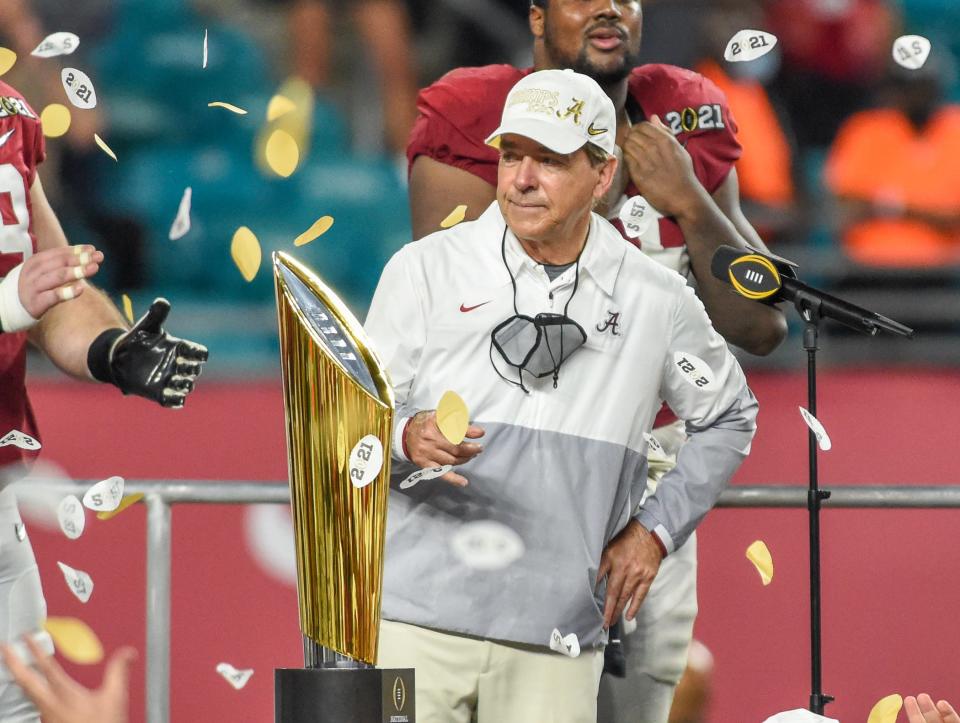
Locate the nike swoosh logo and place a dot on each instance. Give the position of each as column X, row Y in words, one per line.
column 465, row 309
column 5, row 136
column 596, row 131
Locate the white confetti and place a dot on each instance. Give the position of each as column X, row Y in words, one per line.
column 366, row 460
column 20, row 530
column 568, row 645
column 104, row 496
column 749, row 45
column 911, row 51
column 487, row 545
column 236, row 678
column 695, row 370
column 79, row 88
column 204, row 47
column 71, row 516
column 653, row 443
column 637, row 216
column 6, row 136
column 181, row 224
column 56, row 44
column 19, row 439
column 425, row 474
column 823, row 439
column 79, row 582
column 799, row 715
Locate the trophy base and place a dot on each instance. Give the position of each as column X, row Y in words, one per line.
column 332, row 695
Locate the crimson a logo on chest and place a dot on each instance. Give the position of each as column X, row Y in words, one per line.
column 610, row 325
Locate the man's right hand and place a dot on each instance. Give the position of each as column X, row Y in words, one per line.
column 427, row 447
column 54, row 275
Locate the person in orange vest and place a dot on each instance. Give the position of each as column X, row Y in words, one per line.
column 895, row 173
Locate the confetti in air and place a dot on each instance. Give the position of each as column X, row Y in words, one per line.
column 760, row 556
column 749, row 45
column 282, row 153
column 19, row 439
column 7, row 59
column 181, row 223
column 421, row 475
column 127, row 501
column 79, row 88
column 104, row 496
column 911, row 51
column 229, row 106
column 568, row 645
column 71, row 516
column 236, row 678
column 886, row 709
column 823, row 439
column 454, row 217
column 104, row 147
column 55, row 120
column 75, row 640
column 128, row 308
column 279, row 106
column 56, row 44
column 320, row 227
column 246, row 253
column 204, row 47
column 79, row 582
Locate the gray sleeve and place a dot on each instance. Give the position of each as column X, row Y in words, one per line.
column 704, row 386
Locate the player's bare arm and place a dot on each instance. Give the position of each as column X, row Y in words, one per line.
column 88, row 338
column 663, row 172
column 437, row 188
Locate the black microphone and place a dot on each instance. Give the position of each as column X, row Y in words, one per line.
column 770, row 278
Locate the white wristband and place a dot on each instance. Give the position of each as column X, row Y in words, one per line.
column 13, row 317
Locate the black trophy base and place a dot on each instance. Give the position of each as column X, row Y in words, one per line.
column 337, row 695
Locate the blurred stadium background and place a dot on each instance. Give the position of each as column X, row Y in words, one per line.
column 889, row 591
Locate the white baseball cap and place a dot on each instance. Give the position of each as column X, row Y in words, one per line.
column 561, row 110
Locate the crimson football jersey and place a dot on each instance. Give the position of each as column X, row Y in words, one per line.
column 459, row 111
column 21, row 151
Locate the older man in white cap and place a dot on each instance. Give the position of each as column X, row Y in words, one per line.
column 563, row 341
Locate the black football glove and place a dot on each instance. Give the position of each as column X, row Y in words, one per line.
column 146, row 360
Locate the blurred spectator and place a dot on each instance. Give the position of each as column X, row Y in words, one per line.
column 895, row 171
column 76, row 158
column 384, row 26
column 834, row 51
column 693, row 693
column 765, row 169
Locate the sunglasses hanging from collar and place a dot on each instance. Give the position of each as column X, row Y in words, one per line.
column 537, row 345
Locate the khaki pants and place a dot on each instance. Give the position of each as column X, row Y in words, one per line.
column 463, row 679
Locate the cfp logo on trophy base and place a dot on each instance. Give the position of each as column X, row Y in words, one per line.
column 397, row 701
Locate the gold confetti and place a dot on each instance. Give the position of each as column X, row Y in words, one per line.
column 760, row 556
column 75, row 640
column 320, row 227
column 229, row 106
column 245, row 250
column 282, row 153
column 341, row 447
column 128, row 308
column 7, row 59
column 453, row 418
column 455, row 217
column 886, row 710
column 127, row 501
column 279, row 105
column 55, row 120
column 104, row 147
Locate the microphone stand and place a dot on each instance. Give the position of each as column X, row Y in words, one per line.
column 809, row 308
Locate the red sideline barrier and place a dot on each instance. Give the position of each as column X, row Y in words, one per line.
column 890, row 595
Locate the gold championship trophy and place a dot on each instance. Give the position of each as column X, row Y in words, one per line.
column 339, row 417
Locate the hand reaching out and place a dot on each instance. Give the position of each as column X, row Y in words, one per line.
column 61, row 699
column 922, row 710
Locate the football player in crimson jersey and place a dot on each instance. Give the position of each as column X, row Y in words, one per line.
column 44, row 298
column 677, row 140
